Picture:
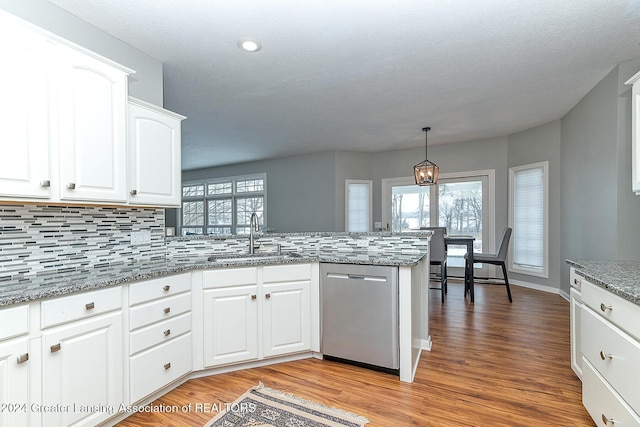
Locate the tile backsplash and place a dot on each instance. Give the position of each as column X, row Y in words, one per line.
column 40, row 239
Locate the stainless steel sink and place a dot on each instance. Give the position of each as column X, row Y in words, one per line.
column 253, row 257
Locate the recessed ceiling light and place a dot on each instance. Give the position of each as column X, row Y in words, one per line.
column 249, row 45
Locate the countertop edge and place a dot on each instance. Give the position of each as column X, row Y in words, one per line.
column 612, row 276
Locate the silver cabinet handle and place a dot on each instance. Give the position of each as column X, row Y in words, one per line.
column 254, row 296
column 267, row 296
column 167, row 366
column 167, row 310
column 167, row 332
column 90, row 306
column 576, row 281
column 606, row 420
column 45, row 183
column 23, row 358
column 71, row 186
column 605, row 307
column 55, row 348
column 166, row 288
column 133, row 192
column 605, row 356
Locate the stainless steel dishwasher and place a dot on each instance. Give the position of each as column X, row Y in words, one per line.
column 360, row 315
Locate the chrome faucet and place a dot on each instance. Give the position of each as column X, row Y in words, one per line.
column 254, row 226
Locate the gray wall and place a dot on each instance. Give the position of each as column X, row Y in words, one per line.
column 145, row 84
column 537, row 145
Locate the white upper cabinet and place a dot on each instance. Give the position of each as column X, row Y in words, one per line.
column 635, row 132
column 92, row 102
column 24, row 120
column 154, row 155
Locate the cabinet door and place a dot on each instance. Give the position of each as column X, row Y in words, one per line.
column 92, row 101
column 154, row 155
column 575, row 316
column 286, row 318
column 83, row 371
column 24, row 120
column 14, row 382
column 230, row 325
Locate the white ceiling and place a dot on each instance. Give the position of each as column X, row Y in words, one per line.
column 367, row 75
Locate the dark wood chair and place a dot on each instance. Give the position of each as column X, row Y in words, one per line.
column 438, row 256
column 497, row 259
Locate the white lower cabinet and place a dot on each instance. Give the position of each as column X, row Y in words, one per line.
column 159, row 334
column 575, row 300
column 257, row 312
column 82, row 371
column 610, row 346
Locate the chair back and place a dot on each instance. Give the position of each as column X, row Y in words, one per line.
column 504, row 245
column 437, row 249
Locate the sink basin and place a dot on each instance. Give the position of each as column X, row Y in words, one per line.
column 252, row 257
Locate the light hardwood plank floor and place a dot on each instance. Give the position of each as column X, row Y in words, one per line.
column 492, row 364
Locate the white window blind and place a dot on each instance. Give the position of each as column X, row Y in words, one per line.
column 528, row 217
column 359, row 206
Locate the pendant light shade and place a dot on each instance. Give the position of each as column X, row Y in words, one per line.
column 426, row 172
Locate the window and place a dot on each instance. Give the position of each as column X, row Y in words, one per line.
column 359, row 206
column 224, row 205
column 463, row 202
column 528, row 189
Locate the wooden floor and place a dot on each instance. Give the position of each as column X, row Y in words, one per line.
column 492, row 364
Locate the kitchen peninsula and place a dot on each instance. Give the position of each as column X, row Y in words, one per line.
column 177, row 312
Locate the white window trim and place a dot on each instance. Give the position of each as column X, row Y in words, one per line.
column 234, row 178
column 544, row 272
column 346, row 200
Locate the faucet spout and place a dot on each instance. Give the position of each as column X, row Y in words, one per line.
column 254, row 226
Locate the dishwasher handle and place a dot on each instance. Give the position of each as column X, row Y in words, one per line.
column 356, row 276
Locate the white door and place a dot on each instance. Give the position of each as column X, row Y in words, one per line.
column 92, row 100
column 82, row 365
column 230, row 325
column 24, row 120
column 286, row 321
column 14, row 382
column 154, row 155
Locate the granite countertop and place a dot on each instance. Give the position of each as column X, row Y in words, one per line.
column 619, row 277
column 61, row 282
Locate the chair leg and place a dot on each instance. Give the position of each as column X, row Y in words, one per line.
column 443, row 282
column 506, row 280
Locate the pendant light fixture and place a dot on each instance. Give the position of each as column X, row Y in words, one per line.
column 426, row 172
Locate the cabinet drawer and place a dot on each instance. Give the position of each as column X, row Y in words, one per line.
column 158, row 288
column 602, row 402
column 14, row 321
column 157, row 333
column 614, row 354
column 79, row 306
column 229, row 277
column 574, row 279
column 155, row 311
column 286, row 273
column 616, row 309
column 153, row 369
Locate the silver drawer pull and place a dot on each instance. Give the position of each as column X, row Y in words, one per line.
column 606, row 420
column 166, row 288
column 71, row 186
column 605, row 356
column 45, row 183
column 90, row 306
column 167, row 332
column 167, row 310
column 167, row 366
column 576, row 282
column 23, row 358
column 605, row 307
column 133, row 192
column 254, row 296
column 55, row 348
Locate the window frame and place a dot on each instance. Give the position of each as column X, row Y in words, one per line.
column 234, row 196
column 518, row 268
column 347, row 182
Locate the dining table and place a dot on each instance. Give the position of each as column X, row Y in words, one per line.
column 464, row 240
